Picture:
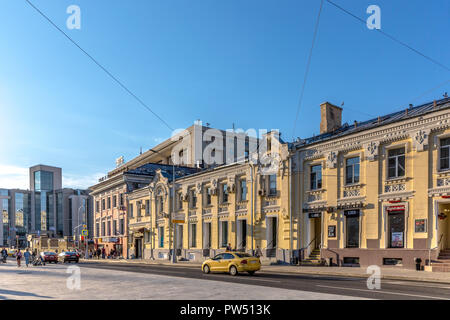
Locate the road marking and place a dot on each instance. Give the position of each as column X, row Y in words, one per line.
column 430, row 285
column 387, row 292
column 229, row 277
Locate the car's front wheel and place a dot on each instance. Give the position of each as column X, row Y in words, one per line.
column 233, row 270
column 206, row 269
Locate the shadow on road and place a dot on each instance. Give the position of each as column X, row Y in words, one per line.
column 21, row 293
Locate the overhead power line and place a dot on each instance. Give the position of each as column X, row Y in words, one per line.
column 305, row 78
column 101, row 66
column 391, row 37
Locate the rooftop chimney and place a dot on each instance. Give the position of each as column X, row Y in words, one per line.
column 331, row 117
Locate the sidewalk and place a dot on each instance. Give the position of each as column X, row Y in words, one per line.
column 390, row 273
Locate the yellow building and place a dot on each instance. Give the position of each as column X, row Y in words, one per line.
column 237, row 204
column 376, row 192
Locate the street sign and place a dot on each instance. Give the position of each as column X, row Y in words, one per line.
column 84, row 226
column 84, row 232
column 177, row 221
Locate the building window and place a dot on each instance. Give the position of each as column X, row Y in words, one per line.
column 97, row 229
column 208, row 196
column 130, row 209
column 121, row 226
column 121, row 199
column 192, row 199
column 109, row 202
column 396, row 163
column 444, row 157
column 103, row 229
column 147, row 207
column 109, row 228
column 316, row 177
column 193, row 235
column 179, row 201
column 114, row 227
column 159, row 205
column 352, row 170
column 161, row 236
column 224, row 193
column 243, row 189
column 103, row 204
column 138, row 208
column 223, row 233
column 273, row 184
column 97, row 206
column 114, row 201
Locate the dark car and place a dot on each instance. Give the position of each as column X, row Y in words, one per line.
column 48, row 256
column 68, row 256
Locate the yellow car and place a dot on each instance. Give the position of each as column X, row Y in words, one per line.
column 232, row 262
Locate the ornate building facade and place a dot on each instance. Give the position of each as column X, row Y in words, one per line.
column 376, row 192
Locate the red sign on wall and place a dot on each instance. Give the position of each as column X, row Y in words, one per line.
column 395, row 208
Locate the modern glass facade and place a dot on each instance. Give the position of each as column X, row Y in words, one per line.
column 22, row 214
column 5, row 216
column 59, row 214
column 43, row 181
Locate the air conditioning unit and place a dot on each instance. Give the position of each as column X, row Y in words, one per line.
column 262, row 192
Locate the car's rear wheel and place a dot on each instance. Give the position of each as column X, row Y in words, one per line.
column 251, row 273
column 206, row 269
column 233, row 271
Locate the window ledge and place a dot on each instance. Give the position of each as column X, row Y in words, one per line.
column 396, row 180
column 353, row 186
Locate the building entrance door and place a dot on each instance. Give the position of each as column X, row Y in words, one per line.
column 396, row 222
column 444, row 226
column 241, row 234
column 138, row 246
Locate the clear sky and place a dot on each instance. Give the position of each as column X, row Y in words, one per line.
column 221, row 61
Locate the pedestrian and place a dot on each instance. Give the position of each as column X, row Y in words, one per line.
column 18, row 257
column 228, row 247
column 258, row 252
column 103, row 253
column 4, row 255
column 99, row 252
column 27, row 257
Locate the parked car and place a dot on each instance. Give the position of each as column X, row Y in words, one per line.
column 68, row 256
column 232, row 262
column 48, row 256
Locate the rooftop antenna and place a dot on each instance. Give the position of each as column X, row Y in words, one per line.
column 140, row 152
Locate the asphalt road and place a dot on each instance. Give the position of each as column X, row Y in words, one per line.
column 355, row 287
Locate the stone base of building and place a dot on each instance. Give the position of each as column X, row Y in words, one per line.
column 277, row 256
column 402, row 258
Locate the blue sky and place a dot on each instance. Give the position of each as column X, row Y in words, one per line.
column 223, row 62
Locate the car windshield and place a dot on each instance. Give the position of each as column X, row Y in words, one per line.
column 242, row 255
column 49, row 253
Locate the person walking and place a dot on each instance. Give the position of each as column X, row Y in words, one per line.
column 18, row 257
column 258, row 252
column 103, row 253
column 228, row 249
column 27, row 257
column 4, row 254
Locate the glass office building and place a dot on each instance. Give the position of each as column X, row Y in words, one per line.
column 4, row 206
